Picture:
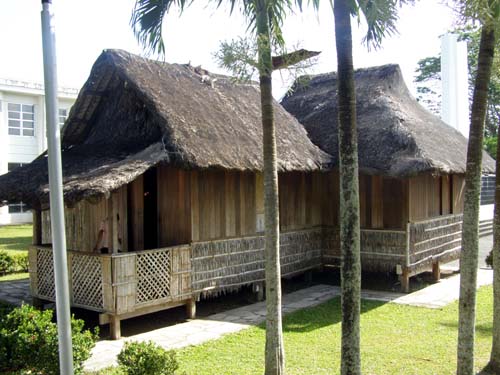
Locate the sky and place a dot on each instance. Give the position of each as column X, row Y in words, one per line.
column 85, row 28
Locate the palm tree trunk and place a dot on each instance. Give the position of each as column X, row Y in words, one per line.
column 349, row 193
column 470, row 235
column 494, row 363
column 275, row 355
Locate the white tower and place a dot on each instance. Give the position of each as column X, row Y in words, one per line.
column 454, row 77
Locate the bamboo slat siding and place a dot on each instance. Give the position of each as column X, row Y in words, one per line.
column 381, row 250
column 434, row 240
column 229, row 264
column 417, row 248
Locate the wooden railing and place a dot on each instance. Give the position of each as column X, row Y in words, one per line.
column 117, row 283
column 433, row 240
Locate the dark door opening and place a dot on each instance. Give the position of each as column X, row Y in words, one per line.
column 150, row 210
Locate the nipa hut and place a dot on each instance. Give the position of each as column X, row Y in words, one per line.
column 412, row 168
column 164, row 192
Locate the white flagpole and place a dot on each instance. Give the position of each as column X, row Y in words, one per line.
column 56, row 191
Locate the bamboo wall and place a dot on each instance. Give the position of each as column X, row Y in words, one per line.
column 434, row 240
column 228, row 264
column 381, row 250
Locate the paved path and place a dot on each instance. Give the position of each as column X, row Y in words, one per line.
column 198, row 331
column 15, row 292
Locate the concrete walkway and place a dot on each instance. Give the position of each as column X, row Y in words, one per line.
column 15, row 292
column 198, row 331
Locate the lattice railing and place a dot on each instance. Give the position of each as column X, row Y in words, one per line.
column 45, row 274
column 86, row 275
column 153, row 270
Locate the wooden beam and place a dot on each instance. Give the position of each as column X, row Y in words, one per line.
column 37, row 227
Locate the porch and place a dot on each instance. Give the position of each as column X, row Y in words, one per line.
column 123, row 285
column 422, row 246
column 118, row 286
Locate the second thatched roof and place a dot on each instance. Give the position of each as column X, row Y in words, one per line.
column 133, row 113
column 396, row 136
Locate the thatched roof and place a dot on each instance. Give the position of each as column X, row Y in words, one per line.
column 133, row 113
column 397, row 136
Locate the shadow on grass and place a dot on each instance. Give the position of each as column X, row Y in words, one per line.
column 16, row 243
column 483, row 330
column 489, row 370
column 326, row 314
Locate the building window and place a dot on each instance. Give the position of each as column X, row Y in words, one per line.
column 16, row 208
column 63, row 115
column 21, row 119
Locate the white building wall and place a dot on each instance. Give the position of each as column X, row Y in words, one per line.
column 19, row 148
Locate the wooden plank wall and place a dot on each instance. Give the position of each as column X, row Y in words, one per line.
column 383, row 202
column 223, row 204
column 83, row 222
column 434, row 196
column 330, row 197
column 395, row 207
column 174, row 206
column 458, row 187
column 446, row 194
column 136, row 214
column 424, row 197
column 300, row 200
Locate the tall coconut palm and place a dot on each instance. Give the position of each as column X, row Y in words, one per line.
column 381, row 17
column 487, row 12
column 265, row 18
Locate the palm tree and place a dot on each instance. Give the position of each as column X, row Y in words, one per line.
column 487, row 12
column 265, row 17
column 381, row 17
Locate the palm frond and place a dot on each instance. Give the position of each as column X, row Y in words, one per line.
column 381, row 17
column 147, row 19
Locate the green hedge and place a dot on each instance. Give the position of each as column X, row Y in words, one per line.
column 13, row 263
column 29, row 342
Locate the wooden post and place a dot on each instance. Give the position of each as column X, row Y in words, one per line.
column 37, row 302
column 436, row 271
column 404, row 278
column 37, row 227
column 308, row 277
column 191, row 308
column 258, row 289
column 114, row 220
column 109, row 223
column 114, row 327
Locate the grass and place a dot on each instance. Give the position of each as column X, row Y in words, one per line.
column 15, row 238
column 395, row 339
column 14, row 276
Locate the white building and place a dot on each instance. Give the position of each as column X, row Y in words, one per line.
column 23, row 131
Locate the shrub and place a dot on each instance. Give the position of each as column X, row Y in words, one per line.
column 147, row 358
column 489, row 259
column 28, row 341
column 20, row 262
column 6, row 263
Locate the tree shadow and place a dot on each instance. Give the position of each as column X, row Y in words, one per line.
column 483, row 330
column 16, row 243
column 489, row 370
column 325, row 314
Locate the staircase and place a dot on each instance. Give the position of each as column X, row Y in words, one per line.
column 485, row 227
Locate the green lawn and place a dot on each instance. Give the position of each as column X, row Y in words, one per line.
column 395, row 340
column 14, row 238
